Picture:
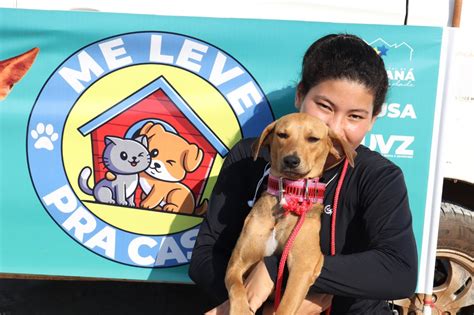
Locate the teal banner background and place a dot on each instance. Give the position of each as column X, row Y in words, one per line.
column 271, row 51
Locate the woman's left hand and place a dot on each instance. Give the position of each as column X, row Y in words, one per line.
column 313, row 304
column 222, row 309
column 258, row 285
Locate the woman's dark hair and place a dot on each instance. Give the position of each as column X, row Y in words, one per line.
column 344, row 56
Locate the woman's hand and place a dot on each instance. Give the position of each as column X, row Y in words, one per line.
column 258, row 285
column 313, row 304
column 222, row 309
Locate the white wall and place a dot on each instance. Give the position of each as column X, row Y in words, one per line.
column 421, row 12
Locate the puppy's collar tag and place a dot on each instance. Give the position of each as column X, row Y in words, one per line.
column 302, row 190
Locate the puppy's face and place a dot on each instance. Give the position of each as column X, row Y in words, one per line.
column 172, row 157
column 299, row 146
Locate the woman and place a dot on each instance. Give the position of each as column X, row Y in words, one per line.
column 372, row 256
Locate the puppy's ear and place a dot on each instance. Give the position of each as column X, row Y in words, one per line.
column 192, row 158
column 339, row 148
column 263, row 140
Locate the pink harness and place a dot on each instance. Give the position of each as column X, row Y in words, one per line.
column 296, row 196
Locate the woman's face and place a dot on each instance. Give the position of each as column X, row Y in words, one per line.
column 345, row 106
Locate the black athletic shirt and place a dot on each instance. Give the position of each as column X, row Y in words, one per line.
column 376, row 257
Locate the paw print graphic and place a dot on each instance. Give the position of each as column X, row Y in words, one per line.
column 44, row 136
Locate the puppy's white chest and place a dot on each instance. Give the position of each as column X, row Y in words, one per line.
column 272, row 244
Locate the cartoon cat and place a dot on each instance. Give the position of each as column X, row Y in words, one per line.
column 124, row 158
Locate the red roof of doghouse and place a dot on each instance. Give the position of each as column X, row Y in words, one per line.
column 156, row 102
column 163, row 85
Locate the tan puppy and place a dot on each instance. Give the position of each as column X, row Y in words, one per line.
column 299, row 145
column 13, row 69
column 172, row 157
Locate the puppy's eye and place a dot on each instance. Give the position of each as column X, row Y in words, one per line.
column 170, row 162
column 282, row 135
column 313, row 139
column 154, row 153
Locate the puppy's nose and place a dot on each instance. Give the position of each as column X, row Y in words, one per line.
column 291, row 161
column 157, row 165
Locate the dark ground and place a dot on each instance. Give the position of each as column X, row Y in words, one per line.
column 65, row 297
column 98, row 297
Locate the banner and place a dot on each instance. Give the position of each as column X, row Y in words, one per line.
column 83, row 194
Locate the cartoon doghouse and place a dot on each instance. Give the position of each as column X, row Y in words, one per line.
column 156, row 102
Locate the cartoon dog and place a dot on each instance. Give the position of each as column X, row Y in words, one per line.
column 172, row 157
column 13, row 69
column 299, row 145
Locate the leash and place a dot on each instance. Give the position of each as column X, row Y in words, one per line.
column 284, row 256
column 334, row 212
column 299, row 201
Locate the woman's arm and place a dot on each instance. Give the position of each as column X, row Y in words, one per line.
column 388, row 268
column 223, row 222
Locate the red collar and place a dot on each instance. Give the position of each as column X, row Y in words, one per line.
column 296, row 195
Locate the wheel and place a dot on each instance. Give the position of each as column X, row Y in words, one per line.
column 453, row 290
